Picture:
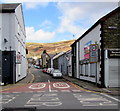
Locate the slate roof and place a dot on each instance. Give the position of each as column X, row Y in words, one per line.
column 8, row 8
column 98, row 22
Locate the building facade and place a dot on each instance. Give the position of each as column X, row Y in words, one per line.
column 62, row 64
column 55, row 60
column 12, row 45
column 62, row 61
column 96, row 54
column 45, row 59
column 69, row 63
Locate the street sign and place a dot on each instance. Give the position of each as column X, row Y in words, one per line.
column 113, row 53
column 93, row 53
column 18, row 59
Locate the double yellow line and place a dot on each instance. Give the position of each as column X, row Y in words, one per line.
column 80, row 88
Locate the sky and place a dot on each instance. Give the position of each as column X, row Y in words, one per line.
column 53, row 21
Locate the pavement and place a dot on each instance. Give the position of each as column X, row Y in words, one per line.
column 93, row 87
column 28, row 79
column 84, row 84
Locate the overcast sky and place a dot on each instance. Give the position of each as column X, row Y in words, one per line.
column 47, row 22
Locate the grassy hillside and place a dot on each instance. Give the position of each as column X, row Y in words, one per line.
column 36, row 49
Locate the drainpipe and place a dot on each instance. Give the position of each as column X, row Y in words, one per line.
column 102, row 79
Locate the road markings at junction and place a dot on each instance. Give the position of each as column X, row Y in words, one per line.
column 49, row 81
column 44, row 100
column 110, row 97
column 4, row 99
column 76, row 91
column 61, row 85
column 65, row 90
column 50, row 90
column 93, row 100
column 37, row 86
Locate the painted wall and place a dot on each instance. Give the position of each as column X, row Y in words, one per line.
column 89, row 71
column 13, row 31
column 20, row 47
column 62, row 64
column 0, row 28
column 93, row 36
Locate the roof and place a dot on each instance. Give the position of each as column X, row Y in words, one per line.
column 58, row 55
column 51, row 55
column 98, row 22
column 8, row 8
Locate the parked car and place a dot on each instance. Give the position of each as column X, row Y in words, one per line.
column 56, row 73
column 45, row 70
column 49, row 70
column 38, row 67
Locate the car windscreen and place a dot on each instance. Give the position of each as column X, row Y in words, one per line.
column 56, row 71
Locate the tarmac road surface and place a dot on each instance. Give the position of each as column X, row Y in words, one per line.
column 49, row 93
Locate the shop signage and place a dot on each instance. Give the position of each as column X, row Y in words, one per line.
column 86, row 50
column 93, row 53
column 113, row 53
column 84, row 61
column 18, row 59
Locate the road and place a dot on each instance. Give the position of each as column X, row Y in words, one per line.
column 49, row 93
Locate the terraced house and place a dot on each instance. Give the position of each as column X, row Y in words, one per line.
column 12, row 43
column 96, row 54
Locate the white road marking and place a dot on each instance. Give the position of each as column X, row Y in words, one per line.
column 76, row 90
column 106, row 90
column 54, row 90
column 7, row 98
column 52, row 103
column 48, row 81
column 61, row 85
column 110, row 97
column 45, row 100
column 37, row 86
column 28, row 105
column 49, row 86
column 93, row 100
column 49, row 95
column 65, row 90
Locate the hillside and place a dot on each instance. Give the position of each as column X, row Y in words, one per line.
column 36, row 49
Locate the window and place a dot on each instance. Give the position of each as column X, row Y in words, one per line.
column 93, row 69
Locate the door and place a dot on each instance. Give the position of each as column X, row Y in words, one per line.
column 8, row 67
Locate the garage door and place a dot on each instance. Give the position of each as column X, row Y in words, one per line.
column 114, row 74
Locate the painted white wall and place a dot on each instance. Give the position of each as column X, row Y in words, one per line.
column 94, row 36
column 0, row 31
column 13, row 30
column 20, row 37
column 7, row 31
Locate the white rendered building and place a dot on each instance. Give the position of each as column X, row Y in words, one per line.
column 12, row 43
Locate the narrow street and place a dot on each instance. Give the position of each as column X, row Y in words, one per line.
column 50, row 93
